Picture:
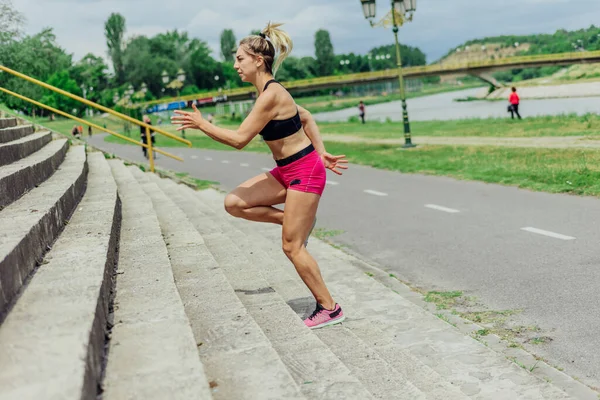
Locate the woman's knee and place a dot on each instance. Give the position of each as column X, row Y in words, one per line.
column 233, row 205
column 291, row 247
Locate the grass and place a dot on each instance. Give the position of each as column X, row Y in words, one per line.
column 323, row 234
column 574, row 171
column 443, row 300
column 562, row 125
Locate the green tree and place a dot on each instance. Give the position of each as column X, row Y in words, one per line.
column 62, row 80
column 324, row 53
column 91, row 73
column 114, row 30
column 255, row 32
column 228, row 45
column 38, row 56
column 11, row 22
column 296, row 68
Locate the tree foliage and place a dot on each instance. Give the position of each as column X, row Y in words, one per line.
column 114, row 30
column 228, row 45
column 324, row 54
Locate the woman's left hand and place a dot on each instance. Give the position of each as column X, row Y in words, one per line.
column 334, row 162
column 188, row 120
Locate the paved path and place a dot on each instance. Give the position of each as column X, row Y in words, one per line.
column 510, row 248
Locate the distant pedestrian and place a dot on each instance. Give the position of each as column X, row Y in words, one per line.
column 75, row 131
column 514, row 101
column 146, row 120
column 80, row 128
column 361, row 111
column 89, row 130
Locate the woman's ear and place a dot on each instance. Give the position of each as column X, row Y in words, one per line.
column 259, row 61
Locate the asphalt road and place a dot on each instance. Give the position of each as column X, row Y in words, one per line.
column 510, row 248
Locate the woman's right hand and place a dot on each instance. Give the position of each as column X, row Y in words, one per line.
column 188, row 120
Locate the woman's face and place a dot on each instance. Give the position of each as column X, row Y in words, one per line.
column 247, row 65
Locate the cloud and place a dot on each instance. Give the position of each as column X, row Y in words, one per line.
column 438, row 24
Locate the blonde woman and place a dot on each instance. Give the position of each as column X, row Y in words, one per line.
column 299, row 178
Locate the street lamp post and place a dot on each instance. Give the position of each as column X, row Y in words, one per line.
column 181, row 78
column 400, row 8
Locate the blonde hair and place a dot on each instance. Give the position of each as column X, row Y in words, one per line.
column 274, row 41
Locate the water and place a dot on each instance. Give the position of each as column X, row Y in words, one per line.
column 443, row 107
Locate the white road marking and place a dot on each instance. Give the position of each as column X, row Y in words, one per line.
column 225, row 162
column 548, row 233
column 244, row 165
column 266, row 169
column 208, row 158
column 441, row 208
column 375, row 192
column 194, row 157
column 332, row 183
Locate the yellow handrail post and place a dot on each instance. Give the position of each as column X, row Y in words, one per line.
column 150, row 154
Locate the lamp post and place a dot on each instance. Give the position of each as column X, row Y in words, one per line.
column 405, row 10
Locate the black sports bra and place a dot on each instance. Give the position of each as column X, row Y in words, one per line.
column 280, row 128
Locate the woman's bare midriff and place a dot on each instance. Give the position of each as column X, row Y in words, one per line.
column 288, row 146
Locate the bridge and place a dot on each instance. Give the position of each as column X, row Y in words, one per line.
column 481, row 69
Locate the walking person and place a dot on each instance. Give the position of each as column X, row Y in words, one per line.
column 299, row 178
column 361, row 111
column 514, row 103
column 146, row 120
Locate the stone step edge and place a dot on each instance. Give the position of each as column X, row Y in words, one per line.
column 11, row 133
column 83, row 371
column 23, row 147
column 152, row 350
column 32, row 174
column 64, row 207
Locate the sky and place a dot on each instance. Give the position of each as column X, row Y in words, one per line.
column 438, row 25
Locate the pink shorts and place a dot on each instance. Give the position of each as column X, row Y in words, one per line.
column 303, row 171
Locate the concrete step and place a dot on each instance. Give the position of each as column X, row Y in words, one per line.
column 239, row 359
column 379, row 377
column 317, row 370
column 25, row 174
column 397, row 328
column 7, row 122
column 21, row 148
column 15, row 133
column 411, row 379
column 152, row 352
column 52, row 342
column 31, row 224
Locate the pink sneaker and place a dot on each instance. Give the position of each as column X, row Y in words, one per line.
column 322, row 317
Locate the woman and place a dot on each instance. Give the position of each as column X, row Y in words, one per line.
column 299, row 178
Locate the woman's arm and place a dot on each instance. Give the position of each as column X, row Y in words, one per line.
column 311, row 129
column 261, row 114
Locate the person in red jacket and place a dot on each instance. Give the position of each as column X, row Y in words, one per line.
column 514, row 104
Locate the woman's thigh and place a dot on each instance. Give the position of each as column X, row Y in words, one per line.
column 262, row 190
column 299, row 215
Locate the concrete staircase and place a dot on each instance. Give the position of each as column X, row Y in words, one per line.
column 118, row 284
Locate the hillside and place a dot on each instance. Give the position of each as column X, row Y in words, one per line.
column 561, row 41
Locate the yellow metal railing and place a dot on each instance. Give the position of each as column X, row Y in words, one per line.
column 80, row 120
column 148, row 145
column 393, row 73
